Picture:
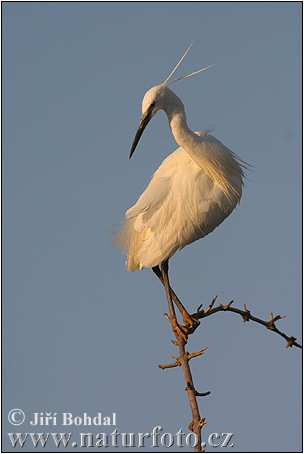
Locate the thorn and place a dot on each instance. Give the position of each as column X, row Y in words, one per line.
column 211, row 304
column 168, row 366
column 213, row 300
column 290, row 341
column 271, row 323
column 174, row 342
column 167, row 317
column 199, row 308
column 279, row 317
column 202, row 394
column 198, row 353
column 202, row 422
column 246, row 316
column 227, row 305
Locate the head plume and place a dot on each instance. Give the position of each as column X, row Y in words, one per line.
column 168, row 81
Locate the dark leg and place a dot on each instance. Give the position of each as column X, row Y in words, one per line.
column 165, row 280
column 187, row 318
column 176, row 328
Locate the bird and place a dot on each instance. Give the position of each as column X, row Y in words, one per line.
column 191, row 193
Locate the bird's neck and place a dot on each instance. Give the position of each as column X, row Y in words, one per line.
column 180, row 130
column 217, row 161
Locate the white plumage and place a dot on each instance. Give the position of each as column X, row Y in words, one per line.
column 190, row 194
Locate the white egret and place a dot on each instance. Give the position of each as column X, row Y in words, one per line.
column 190, row 194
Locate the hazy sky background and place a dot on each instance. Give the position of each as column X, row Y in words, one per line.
column 80, row 333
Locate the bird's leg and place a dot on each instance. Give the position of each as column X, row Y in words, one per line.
column 176, row 328
column 187, row 318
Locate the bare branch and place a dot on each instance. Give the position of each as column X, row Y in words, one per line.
column 184, row 357
column 227, row 305
column 246, row 316
column 196, row 425
column 194, row 354
column 168, row 366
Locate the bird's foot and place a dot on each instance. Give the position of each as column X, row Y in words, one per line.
column 190, row 320
column 179, row 331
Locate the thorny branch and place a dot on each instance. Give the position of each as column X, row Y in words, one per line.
column 246, row 315
column 183, row 360
column 184, row 357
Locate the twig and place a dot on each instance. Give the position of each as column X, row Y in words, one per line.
column 194, row 354
column 167, row 366
column 246, row 315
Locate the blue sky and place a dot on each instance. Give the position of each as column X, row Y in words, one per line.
column 80, row 333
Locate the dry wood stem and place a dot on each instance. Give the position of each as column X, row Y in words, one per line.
column 184, row 357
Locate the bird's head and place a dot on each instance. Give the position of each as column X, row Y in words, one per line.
column 161, row 97
column 157, row 98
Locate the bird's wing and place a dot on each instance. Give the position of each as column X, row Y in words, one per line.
column 155, row 193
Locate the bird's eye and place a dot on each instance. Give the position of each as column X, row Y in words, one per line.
column 153, row 104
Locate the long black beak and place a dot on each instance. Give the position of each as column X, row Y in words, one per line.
column 141, row 127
